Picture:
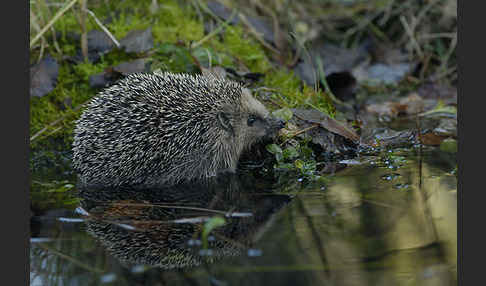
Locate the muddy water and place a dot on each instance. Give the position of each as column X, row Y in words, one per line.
column 376, row 222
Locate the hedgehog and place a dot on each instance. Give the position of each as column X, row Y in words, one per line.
column 165, row 129
column 126, row 223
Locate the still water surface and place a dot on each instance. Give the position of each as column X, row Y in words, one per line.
column 372, row 223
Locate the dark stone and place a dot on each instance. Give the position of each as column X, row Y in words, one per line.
column 138, row 41
column 135, row 66
column 98, row 41
column 43, row 77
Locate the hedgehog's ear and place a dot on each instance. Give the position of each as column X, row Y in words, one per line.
column 225, row 123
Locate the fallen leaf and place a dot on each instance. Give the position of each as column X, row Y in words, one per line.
column 138, row 41
column 98, row 41
column 326, row 122
column 431, row 139
column 43, row 77
column 136, row 66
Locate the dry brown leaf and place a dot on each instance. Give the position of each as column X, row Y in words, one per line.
column 326, row 122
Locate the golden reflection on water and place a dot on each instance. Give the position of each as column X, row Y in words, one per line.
column 359, row 230
column 366, row 232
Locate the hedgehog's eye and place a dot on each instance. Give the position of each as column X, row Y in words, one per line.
column 251, row 120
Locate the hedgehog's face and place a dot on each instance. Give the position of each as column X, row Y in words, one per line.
column 251, row 122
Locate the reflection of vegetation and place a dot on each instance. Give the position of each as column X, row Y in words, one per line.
column 64, row 258
column 359, row 229
column 359, row 226
column 211, row 224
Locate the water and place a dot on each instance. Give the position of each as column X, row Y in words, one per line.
column 379, row 222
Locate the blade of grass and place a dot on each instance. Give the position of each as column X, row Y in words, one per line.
column 51, row 22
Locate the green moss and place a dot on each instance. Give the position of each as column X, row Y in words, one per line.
column 72, row 89
column 175, row 26
column 289, row 91
column 243, row 49
column 124, row 23
column 175, row 23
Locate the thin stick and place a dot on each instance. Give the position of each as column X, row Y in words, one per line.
column 437, row 35
column 110, row 35
column 300, row 132
column 215, row 31
column 71, row 259
column 452, row 47
column 171, row 207
column 84, row 30
column 53, row 20
column 322, row 78
column 410, row 34
column 35, row 25
column 257, row 35
column 54, row 38
column 55, row 122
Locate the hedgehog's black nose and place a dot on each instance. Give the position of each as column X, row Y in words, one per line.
column 280, row 124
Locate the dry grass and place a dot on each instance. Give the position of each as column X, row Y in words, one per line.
column 427, row 30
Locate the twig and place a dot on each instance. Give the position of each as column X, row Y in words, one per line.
column 55, row 122
column 171, row 207
column 110, row 35
column 422, row 12
column 437, row 35
column 452, row 47
column 198, row 10
column 245, row 21
column 443, row 74
column 300, row 132
column 208, row 11
column 410, row 34
column 51, row 22
column 54, row 38
column 256, row 34
column 279, row 38
column 387, row 13
column 215, row 31
column 305, row 129
column 41, row 53
column 71, row 259
column 322, row 78
column 33, row 22
column 84, row 30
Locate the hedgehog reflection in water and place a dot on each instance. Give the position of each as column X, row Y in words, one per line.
column 156, row 129
column 156, row 226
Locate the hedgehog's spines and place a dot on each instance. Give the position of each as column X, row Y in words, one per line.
column 162, row 128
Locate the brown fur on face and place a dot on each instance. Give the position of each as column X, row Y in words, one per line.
column 250, row 123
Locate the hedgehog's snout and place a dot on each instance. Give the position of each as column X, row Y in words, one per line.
column 274, row 125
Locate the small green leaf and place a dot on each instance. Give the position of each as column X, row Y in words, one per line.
column 284, row 113
column 286, row 166
column 290, row 153
column 299, row 164
column 306, row 152
column 274, row 149
column 449, row 145
column 211, row 224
